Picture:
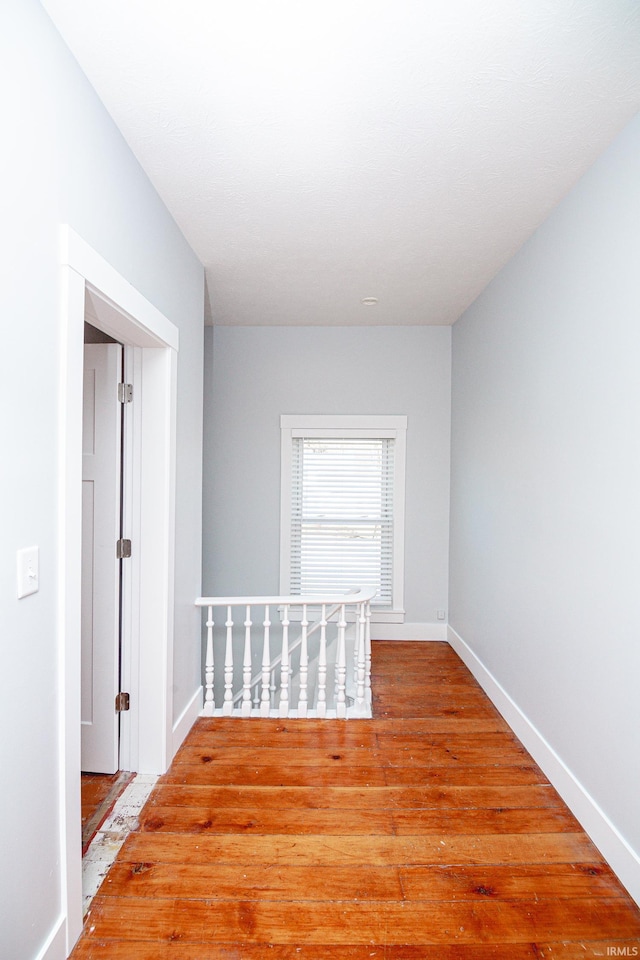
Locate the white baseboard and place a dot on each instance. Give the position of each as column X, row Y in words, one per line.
column 622, row 858
column 408, row 631
column 186, row 720
column 55, row 946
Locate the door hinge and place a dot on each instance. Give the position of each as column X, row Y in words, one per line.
column 122, row 702
column 125, row 392
column 123, row 549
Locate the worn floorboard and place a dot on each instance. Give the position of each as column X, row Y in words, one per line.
column 99, row 793
column 427, row 833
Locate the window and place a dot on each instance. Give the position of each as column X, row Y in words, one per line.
column 342, row 516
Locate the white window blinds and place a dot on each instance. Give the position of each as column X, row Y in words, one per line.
column 342, row 520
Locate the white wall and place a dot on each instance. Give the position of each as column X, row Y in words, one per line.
column 63, row 161
column 254, row 375
column 545, row 504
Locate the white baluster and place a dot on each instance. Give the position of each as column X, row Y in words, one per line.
column 209, row 703
column 341, row 672
column 361, row 654
column 304, row 665
column 284, row 665
column 227, row 706
column 246, row 666
column 266, row 667
column 321, row 709
column 368, row 646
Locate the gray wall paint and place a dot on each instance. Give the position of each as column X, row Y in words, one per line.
column 65, row 162
column 545, row 516
column 254, row 375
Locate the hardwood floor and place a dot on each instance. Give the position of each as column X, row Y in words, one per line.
column 99, row 792
column 427, row 832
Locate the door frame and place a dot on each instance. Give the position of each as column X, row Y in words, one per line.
column 124, row 313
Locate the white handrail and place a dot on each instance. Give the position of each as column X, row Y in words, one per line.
column 265, row 702
column 361, row 595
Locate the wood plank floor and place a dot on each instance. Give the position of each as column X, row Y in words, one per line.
column 98, row 794
column 427, row 832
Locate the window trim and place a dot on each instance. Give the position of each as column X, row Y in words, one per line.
column 339, row 426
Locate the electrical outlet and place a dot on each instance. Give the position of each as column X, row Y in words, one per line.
column 442, row 614
column 28, row 571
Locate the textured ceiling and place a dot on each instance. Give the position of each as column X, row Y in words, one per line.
column 314, row 155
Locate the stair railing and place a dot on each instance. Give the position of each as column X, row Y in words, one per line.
column 261, row 694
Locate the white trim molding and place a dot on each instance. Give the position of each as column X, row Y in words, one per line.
column 348, row 426
column 622, row 859
column 55, row 946
column 409, row 631
column 128, row 316
column 120, row 310
column 187, row 719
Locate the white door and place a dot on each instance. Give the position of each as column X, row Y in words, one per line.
column 101, row 472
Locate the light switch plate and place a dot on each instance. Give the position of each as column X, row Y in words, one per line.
column 28, row 571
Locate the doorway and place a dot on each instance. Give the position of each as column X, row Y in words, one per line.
column 104, row 429
column 90, row 284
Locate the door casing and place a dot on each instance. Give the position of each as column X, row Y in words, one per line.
column 146, row 741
